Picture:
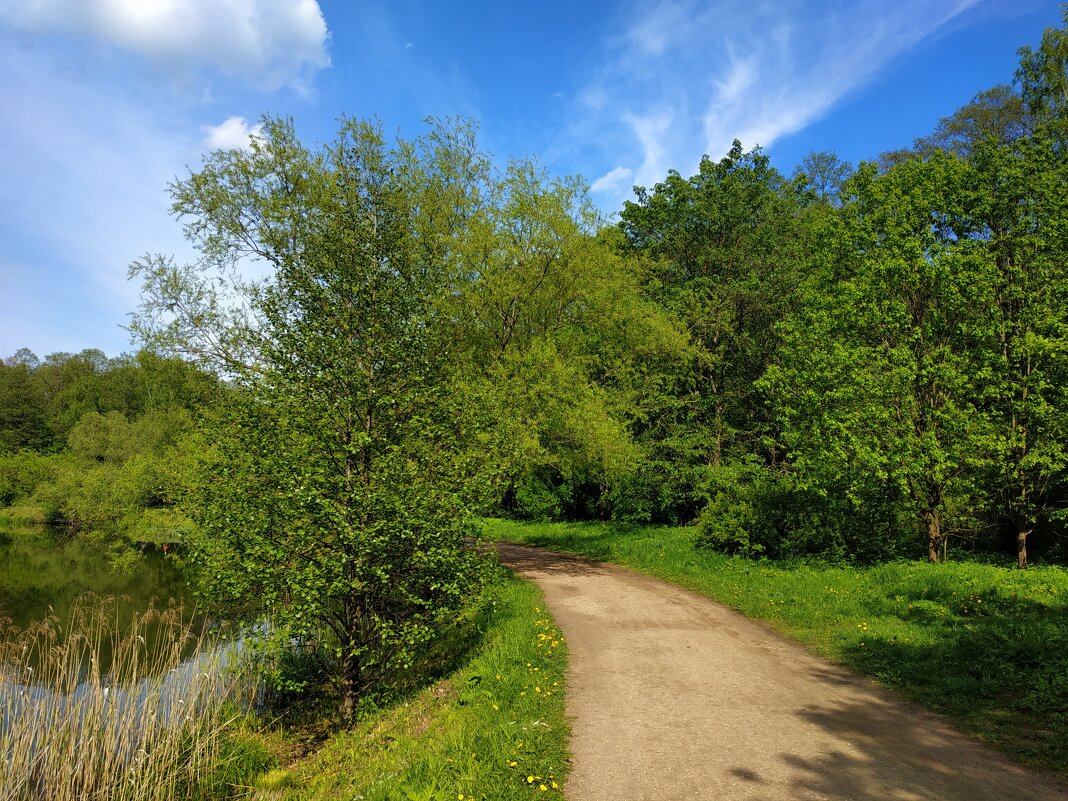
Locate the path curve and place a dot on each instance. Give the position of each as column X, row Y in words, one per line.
column 672, row 696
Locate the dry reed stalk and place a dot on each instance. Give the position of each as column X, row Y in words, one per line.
column 99, row 709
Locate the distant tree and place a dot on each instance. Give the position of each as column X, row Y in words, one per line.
column 997, row 115
column 23, row 408
column 824, row 173
column 1043, row 78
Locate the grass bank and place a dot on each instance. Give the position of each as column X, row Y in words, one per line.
column 986, row 646
column 23, row 515
column 493, row 729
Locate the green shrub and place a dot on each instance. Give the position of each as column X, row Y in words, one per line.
column 21, row 473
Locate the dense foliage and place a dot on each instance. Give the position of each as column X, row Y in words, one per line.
column 860, row 363
column 96, row 444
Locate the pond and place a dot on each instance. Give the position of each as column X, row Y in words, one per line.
column 43, row 571
column 119, row 688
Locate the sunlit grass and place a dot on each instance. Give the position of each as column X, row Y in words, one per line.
column 22, row 515
column 985, row 645
column 493, row 729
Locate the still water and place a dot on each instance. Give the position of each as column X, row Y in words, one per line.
column 42, row 572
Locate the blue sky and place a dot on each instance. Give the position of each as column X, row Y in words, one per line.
column 105, row 101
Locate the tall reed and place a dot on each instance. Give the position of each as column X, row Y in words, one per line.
column 109, row 706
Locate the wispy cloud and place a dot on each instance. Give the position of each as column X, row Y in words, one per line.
column 682, row 78
column 613, row 180
column 84, row 194
column 267, row 43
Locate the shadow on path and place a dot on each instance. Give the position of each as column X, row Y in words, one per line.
column 524, row 559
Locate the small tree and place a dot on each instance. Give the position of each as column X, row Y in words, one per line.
column 336, row 497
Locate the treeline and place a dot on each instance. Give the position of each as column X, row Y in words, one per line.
column 873, row 359
column 862, row 363
column 93, row 442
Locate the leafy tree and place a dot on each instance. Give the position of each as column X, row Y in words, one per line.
column 1043, row 79
column 876, row 387
column 723, row 250
column 1022, row 208
column 338, row 494
column 554, row 329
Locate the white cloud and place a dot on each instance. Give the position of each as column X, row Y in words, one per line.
column 268, row 43
column 613, row 180
column 233, row 133
column 685, row 78
column 652, row 132
column 653, row 32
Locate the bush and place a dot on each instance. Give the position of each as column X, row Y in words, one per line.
column 741, row 517
column 21, row 473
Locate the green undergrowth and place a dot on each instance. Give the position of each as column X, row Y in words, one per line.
column 985, row 645
column 492, row 729
column 22, row 515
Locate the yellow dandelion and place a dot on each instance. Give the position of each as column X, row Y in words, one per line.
column 530, row 780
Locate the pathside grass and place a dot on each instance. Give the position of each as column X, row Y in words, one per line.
column 986, row 646
column 493, row 729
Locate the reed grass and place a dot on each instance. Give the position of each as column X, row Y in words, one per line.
column 109, row 705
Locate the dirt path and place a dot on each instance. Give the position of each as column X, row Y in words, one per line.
column 674, row 697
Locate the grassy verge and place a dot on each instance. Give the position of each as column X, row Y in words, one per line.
column 24, row 515
column 493, row 729
column 986, row 646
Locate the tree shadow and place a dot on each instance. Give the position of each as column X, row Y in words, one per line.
column 1003, row 673
column 896, row 752
column 525, row 559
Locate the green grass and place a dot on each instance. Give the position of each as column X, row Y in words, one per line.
column 493, row 729
column 23, row 515
column 986, row 646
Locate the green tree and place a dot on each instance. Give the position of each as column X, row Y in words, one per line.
column 338, row 495
column 723, row 253
column 877, row 384
column 1022, row 207
column 23, row 408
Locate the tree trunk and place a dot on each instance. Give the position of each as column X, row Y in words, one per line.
column 1021, row 544
column 934, row 535
column 350, row 690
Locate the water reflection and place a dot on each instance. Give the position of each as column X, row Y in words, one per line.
column 42, row 572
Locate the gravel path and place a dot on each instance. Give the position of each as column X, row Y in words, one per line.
column 672, row 696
